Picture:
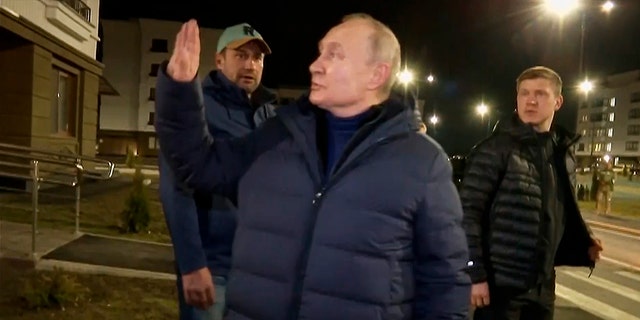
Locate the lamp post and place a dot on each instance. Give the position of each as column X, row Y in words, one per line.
column 562, row 8
column 482, row 109
column 407, row 77
column 434, row 120
column 586, row 87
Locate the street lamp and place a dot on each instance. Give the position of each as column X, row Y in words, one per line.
column 482, row 109
column 430, row 78
column 434, row 119
column 405, row 76
column 586, row 86
column 561, row 8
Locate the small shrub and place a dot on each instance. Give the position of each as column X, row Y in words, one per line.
column 136, row 216
column 132, row 159
column 56, row 289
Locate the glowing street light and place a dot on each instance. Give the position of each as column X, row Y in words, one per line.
column 405, row 76
column 561, row 8
column 607, row 6
column 482, row 109
column 586, row 86
column 434, row 119
column 430, row 78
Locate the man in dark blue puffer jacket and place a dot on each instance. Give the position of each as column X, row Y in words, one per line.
column 202, row 225
column 345, row 211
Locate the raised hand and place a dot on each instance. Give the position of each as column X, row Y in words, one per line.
column 185, row 60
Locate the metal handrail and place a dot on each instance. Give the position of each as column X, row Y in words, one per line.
column 16, row 160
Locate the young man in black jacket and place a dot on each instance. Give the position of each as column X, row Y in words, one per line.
column 521, row 216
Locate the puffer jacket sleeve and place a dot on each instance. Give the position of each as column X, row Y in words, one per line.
column 198, row 161
column 483, row 173
column 442, row 285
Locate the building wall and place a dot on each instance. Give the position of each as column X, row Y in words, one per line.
column 61, row 21
column 126, row 121
column 28, row 57
column 615, row 98
column 122, row 68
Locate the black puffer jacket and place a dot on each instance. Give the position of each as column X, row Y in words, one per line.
column 503, row 193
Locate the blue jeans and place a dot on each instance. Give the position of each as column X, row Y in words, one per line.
column 215, row 312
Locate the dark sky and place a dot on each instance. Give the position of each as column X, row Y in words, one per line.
column 475, row 48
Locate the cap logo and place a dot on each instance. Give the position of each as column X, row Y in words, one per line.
column 248, row 31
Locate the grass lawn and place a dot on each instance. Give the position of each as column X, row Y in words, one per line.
column 105, row 297
column 99, row 211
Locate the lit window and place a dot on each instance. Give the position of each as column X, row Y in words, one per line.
column 612, row 117
column 609, row 147
column 612, row 102
column 610, row 132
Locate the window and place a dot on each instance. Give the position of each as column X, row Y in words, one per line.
column 80, row 8
column 610, row 132
column 584, row 118
column 63, row 102
column 159, row 45
column 631, row 146
column 633, row 130
column 581, row 147
column 604, row 102
column 608, row 147
column 635, row 97
column 612, row 117
column 598, row 147
column 152, row 94
column 153, row 143
column 152, row 118
column 154, row 69
column 634, row 113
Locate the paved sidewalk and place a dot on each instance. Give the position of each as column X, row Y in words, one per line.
column 617, row 223
column 86, row 253
column 122, row 257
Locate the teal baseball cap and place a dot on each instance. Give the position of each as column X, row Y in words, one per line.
column 236, row 36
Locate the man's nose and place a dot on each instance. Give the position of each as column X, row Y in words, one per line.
column 314, row 67
column 250, row 64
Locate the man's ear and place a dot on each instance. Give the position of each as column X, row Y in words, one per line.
column 380, row 75
column 219, row 60
column 559, row 101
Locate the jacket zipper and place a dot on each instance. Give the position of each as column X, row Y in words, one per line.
column 317, row 203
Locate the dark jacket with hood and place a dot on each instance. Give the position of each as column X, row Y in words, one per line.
column 202, row 226
column 506, row 196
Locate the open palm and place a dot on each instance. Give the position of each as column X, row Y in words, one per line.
column 185, row 60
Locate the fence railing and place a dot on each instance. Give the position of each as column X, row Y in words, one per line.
column 38, row 167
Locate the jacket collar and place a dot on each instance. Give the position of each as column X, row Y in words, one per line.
column 217, row 84
column 514, row 127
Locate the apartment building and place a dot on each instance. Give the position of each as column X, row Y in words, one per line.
column 133, row 52
column 609, row 121
column 50, row 79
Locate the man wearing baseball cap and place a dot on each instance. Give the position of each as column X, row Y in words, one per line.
column 202, row 226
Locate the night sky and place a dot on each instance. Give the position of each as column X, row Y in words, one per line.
column 475, row 48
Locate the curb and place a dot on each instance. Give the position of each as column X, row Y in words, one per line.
column 613, row 227
column 47, row 264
